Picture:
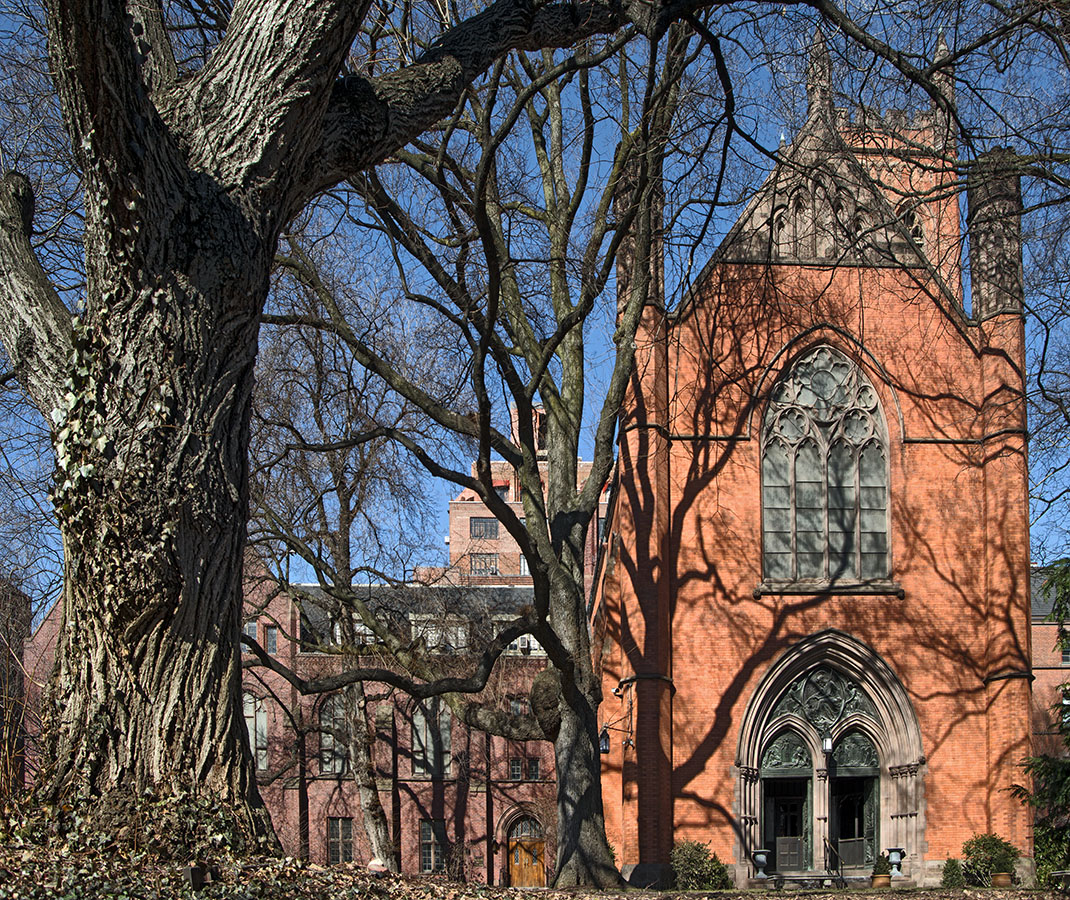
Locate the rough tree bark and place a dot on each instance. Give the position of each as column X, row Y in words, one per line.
column 187, row 185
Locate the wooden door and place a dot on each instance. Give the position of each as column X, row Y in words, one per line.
column 527, row 854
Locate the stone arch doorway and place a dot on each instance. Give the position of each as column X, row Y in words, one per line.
column 527, row 853
column 854, row 801
column 787, row 802
column 829, row 767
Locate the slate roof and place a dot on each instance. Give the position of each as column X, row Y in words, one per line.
column 476, row 604
column 1041, row 605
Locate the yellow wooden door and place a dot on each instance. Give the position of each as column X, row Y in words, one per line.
column 527, row 866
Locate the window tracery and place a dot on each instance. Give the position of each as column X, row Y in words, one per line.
column 824, row 475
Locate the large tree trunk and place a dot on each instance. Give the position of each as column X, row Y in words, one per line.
column 583, row 854
column 186, row 184
column 152, row 496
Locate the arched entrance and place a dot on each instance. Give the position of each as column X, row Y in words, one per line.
column 854, row 801
column 527, row 853
column 830, row 765
column 787, row 800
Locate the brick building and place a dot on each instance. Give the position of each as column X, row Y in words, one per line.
column 479, row 806
column 456, row 800
column 1051, row 674
column 814, row 603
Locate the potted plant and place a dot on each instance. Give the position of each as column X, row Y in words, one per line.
column 989, row 858
column 1003, row 859
column 882, row 872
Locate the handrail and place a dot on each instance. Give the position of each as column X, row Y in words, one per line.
column 831, row 853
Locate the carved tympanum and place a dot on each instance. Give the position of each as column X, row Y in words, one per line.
column 824, row 696
column 787, row 751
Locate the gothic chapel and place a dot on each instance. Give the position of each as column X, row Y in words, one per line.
column 812, row 613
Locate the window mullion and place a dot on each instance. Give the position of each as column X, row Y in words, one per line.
column 857, row 536
column 793, row 511
column 824, row 456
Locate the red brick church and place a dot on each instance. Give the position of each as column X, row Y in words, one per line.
column 813, row 609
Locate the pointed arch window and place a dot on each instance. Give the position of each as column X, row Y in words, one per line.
column 824, row 475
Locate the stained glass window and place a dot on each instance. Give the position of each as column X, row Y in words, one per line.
column 824, row 475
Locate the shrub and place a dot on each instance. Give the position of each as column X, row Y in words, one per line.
column 1051, row 850
column 987, row 853
column 952, row 876
column 694, row 867
column 881, row 865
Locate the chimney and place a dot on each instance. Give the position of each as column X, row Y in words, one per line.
column 994, row 222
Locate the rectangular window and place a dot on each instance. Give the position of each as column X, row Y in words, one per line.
column 525, row 645
column 1066, row 656
column 432, row 842
column 482, row 528
column 440, row 636
column 484, row 563
column 431, row 754
column 524, row 570
column 516, row 769
column 339, row 841
column 249, row 629
column 334, row 737
column 533, row 769
column 271, row 639
column 518, row 706
column 256, row 728
column 502, row 490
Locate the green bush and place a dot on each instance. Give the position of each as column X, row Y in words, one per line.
column 952, row 876
column 1051, row 850
column 694, row 867
column 881, row 865
column 984, row 854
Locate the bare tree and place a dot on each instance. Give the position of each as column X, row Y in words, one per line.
column 513, row 265
column 194, row 148
column 334, row 494
column 189, row 176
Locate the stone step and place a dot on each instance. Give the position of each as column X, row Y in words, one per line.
column 816, row 881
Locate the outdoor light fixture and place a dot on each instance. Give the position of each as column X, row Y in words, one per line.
column 826, row 745
column 603, row 740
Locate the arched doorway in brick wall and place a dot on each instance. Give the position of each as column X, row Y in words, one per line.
column 830, row 768
column 527, row 853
